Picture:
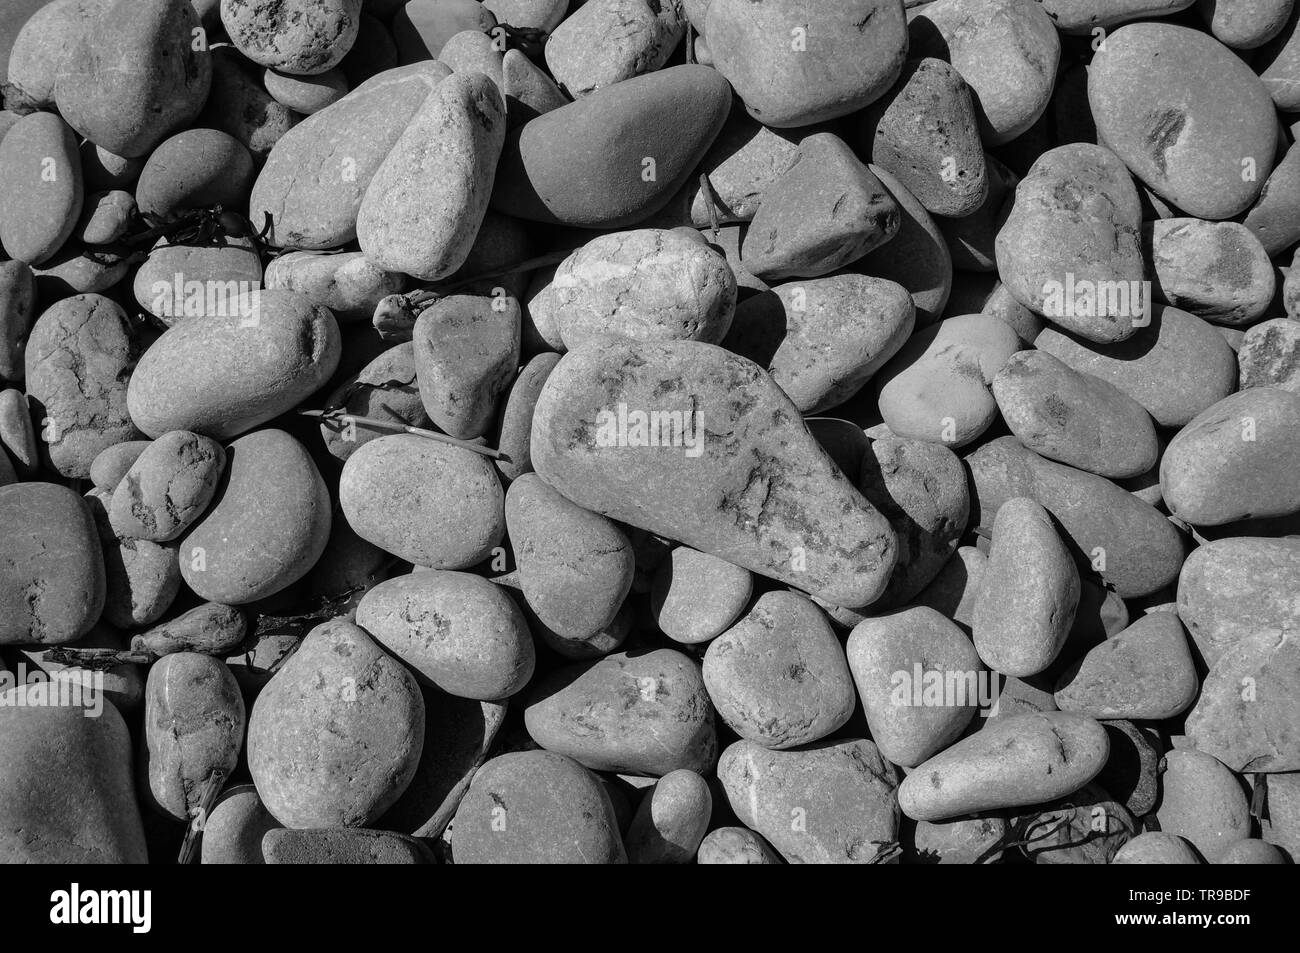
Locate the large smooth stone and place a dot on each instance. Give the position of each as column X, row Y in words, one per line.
column 617, row 155
column 644, row 713
column 66, row 789
column 317, row 173
column 52, row 584
column 1186, row 115
column 830, row 803
column 227, row 373
column 796, row 64
column 267, row 526
column 1012, row 762
column 135, row 75
column 536, row 807
column 1131, row 544
column 774, row 502
column 335, row 736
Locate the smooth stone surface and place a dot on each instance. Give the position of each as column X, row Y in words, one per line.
column 200, row 280
column 466, row 350
column 1152, row 366
column 52, row 584
column 1075, row 418
column 604, row 42
column 1202, row 802
column 1218, row 271
column 679, row 289
column 795, row 65
column 744, row 162
column 770, row 486
column 267, row 525
column 1071, row 249
column 825, row 212
column 735, row 845
column 1012, row 762
column 536, row 807
column 844, row 792
column 515, row 425
column 938, row 386
column 457, row 631
column 42, row 198
column 1184, row 113
column 306, row 94
column 1145, row 673
column 197, row 168
column 426, row 201
column 233, row 831
column 66, row 789
column 316, row 175
column 230, row 372
column 348, row 283
column 584, row 163
column 1248, row 713
column 429, row 503
column 133, row 75
column 695, row 597
column 670, row 821
column 644, row 713
column 904, row 664
column 335, row 736
column 1006, row 50
column 575, row 566
column 1239, row 459
column 1156, row 847
column 194, row 725
column 1030, row 592
column 1140, row 550
column 778, row 677
column 824, row 338
column 1229, row 589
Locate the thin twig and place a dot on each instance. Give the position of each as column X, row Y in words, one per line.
column 211, row 791
column 340, row 416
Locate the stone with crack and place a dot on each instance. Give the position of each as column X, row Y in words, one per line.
column 1013, row 762
column 829, row 803
column 693, row 443
column 52, row 570
column 167, row 487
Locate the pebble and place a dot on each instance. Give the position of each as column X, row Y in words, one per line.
column 778, row 677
